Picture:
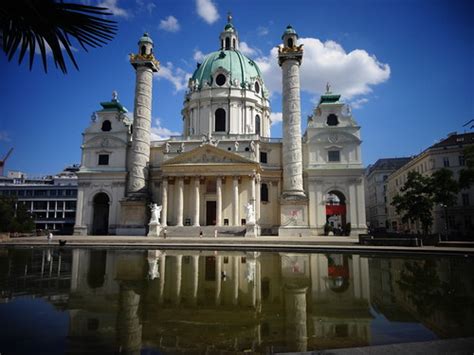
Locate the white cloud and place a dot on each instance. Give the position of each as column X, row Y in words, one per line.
column 276, row 117
column 262, row 31
column 177, row 76
column 4, row 136
column 170, row 24
column 246, row 49
column 350, row 74
column 113, row 8
column 158, row 132
column 198, row 55
column 358, row 103
column 207, row 10
column 145, row 6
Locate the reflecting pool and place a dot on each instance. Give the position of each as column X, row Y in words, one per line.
column 165, row 301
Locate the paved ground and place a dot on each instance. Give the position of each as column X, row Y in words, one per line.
column 241, row 243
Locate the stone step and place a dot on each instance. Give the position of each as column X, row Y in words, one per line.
column 207, row 231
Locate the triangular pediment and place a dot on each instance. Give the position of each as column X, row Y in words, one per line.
column 208, row 155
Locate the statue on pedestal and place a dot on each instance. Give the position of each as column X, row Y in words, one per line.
column 154, row 225
column 250, row 213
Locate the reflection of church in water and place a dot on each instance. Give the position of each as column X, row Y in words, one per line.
column 234, row 301
column 225, row 159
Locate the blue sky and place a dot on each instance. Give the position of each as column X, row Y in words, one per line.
column 406, row 67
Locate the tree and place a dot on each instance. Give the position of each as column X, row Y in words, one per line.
column 28, row 24
column 444, row 188
column 415, row 203
column 14, row 217
column 466, row 176
column 420, row 193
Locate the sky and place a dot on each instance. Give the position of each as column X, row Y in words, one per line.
column 405, row 66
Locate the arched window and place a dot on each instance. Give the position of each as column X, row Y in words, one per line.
column 220, row 120
column 143, row 50
column 264, row 193
column 257, row 125
column 227, row 43
column 106, row 126
column 332, row 120
column 290, row 42
column 233, row 43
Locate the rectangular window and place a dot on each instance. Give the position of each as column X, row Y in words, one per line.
column 462, row 160
column 70, row 205
column 53, row 192
column 446, row 162
column 263, row 157
column 465, row 200
column 103, row 159
column 334, row 156
column 59, row 205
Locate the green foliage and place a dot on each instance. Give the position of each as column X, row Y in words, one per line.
column 420, row 282
column 466, row 176
column 27, row 25
column 415, row 203
column 14, row 217
column 420, row 193
column 443, row 187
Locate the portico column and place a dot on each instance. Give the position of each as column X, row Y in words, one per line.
column 218, row 280
column 219, row 201
column 164, row 203
column 195, row 280
column 179, row 221
column 178, row 270
column 236, row 200
column 196, row 201
column 235, row 285
column 257, row 198
column 161, row 290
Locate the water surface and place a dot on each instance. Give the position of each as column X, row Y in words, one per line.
column 164, row 301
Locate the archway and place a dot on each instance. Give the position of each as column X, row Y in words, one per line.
column 336, row 211
column 100, row 223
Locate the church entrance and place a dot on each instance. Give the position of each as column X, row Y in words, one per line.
column 336, row 212
column 210, row 213
column 100, row 223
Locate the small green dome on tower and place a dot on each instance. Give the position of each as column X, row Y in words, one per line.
column 289, row 30
column 145, row 39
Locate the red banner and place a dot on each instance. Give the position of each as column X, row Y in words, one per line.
column 335, row 209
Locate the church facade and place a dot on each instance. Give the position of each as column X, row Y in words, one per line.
column 224, row 173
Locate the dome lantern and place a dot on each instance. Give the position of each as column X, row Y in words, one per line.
column 229, row 40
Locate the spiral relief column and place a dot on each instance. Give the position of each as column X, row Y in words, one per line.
column 293, row 201
column 145, row 65
column 134, row 210
column 289, row 58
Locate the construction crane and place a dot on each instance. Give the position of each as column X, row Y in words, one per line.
column 2, row 162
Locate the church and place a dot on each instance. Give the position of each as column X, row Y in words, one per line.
column 224, row 174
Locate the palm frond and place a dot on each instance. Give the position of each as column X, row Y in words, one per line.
column 26, row 25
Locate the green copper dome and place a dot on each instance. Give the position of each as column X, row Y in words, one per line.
column 289, row 30
column 145, row 38
column 244, row 69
